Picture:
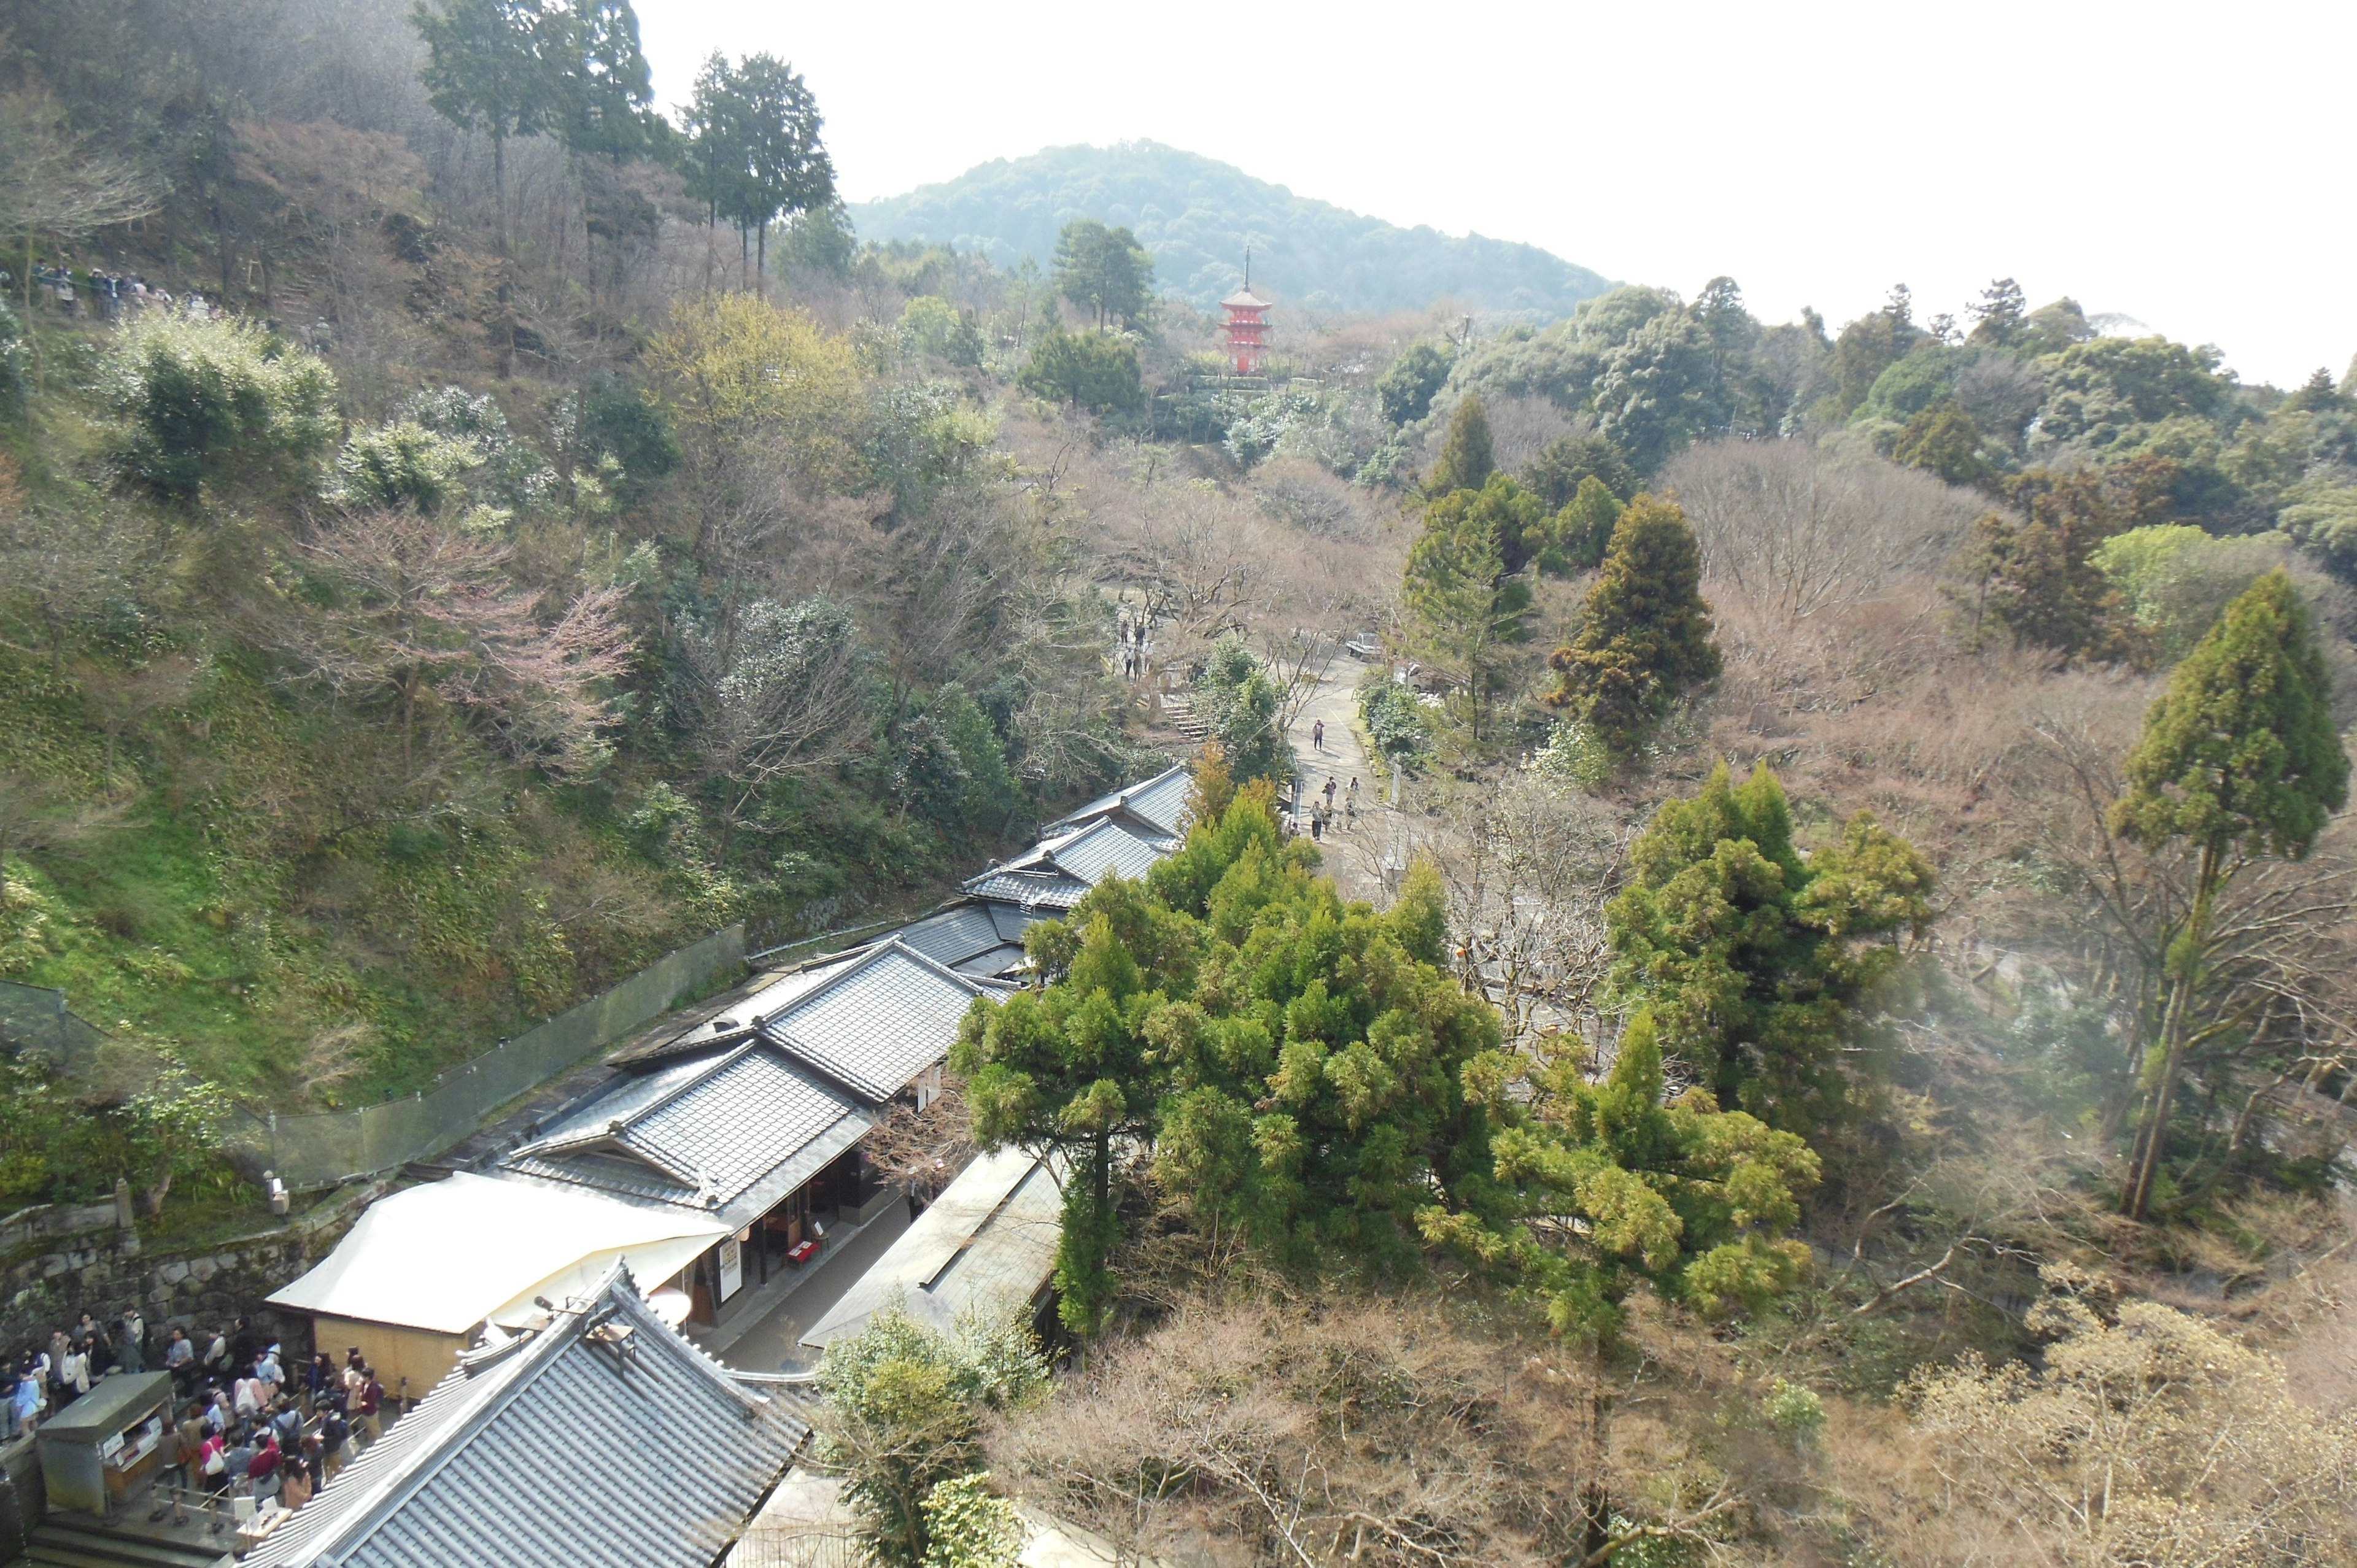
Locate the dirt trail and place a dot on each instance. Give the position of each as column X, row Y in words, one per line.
column 1354, row 852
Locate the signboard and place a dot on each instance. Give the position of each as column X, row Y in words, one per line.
column 732, row 1267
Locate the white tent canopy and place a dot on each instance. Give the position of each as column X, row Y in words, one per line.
column 453, row 1254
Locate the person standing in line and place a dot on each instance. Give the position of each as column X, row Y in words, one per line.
column 216, row 1357
column 180, row 1360
column 25, row 1404
column 130, row 1330
column 74, row 1372
column 171, row 1472
column 335, row 1441
column 300, row 1485
column 192, row 1450
column 366, row 1427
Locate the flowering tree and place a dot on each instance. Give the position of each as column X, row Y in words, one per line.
column 422, row 615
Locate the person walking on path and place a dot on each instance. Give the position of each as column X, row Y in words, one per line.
column 1318, row 735
column 1351, row 802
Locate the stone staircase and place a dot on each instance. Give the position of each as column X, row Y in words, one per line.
column 1178, row 710
column 66, row 1539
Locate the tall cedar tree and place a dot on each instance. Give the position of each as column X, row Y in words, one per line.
column 1645, row 636
column 487, row 71
column 1599, row 1188
column 1583, row 528
column 1465, row 461
column 1559, row 472
column 1758, row 964
column 1469, row 604
column 1297, row 1066
column 2238, row 761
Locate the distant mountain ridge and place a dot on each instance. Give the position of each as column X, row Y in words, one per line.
column 1197, row 216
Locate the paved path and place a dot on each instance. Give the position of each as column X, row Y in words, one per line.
column 1354, row 855
column 772, row 1342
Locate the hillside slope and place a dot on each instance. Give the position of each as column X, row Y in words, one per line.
column 1197, row 216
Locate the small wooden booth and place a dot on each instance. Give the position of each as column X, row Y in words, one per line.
column 102, row 1448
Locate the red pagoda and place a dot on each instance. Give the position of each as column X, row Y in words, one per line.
column 1246, row 327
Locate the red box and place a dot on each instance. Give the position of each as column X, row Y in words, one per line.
column 801, row 1252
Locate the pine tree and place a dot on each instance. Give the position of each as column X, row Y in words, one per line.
column 2238, row 761
column 1645, row 638
column 1465, row 462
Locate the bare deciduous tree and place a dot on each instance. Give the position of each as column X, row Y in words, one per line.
column 779, row 688
column 1800, row 531
column 61, row 184
column 2146, row 1438
column 1528, row 867
column 1374, row 1433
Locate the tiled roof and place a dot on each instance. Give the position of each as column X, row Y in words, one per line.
column 999, row 962
column 888, row 1015
column 953, row 936
column 1111, row 849
column 1046, row 889
column 1055, row 873
column 1158, row 804
column 733, row 1025
column 605, row 1440
column 702, row 1133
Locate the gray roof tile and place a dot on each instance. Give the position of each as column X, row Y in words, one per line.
column 559, row 1453
column 701, row 1132
column 1157, row 803
column 953, row 936
column 888, row 1017
column 1051, row 890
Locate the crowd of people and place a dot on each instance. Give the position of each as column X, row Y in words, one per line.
column 93, row 291
column 241, row 1427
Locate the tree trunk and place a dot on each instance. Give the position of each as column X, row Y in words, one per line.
column 500, row 201
column 761, row 260
column 1595, row 1496
column 2184, row 961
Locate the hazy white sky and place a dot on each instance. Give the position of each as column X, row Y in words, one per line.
column 2188, row 166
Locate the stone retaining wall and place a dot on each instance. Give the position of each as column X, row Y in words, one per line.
column 101, row 1271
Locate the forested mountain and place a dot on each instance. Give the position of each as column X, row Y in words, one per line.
column 1197, row 216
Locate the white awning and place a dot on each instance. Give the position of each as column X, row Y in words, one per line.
column 453, row 1254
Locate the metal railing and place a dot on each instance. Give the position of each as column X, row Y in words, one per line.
column 321, row 1149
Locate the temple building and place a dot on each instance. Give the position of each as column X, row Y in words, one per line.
column 1245, row 328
